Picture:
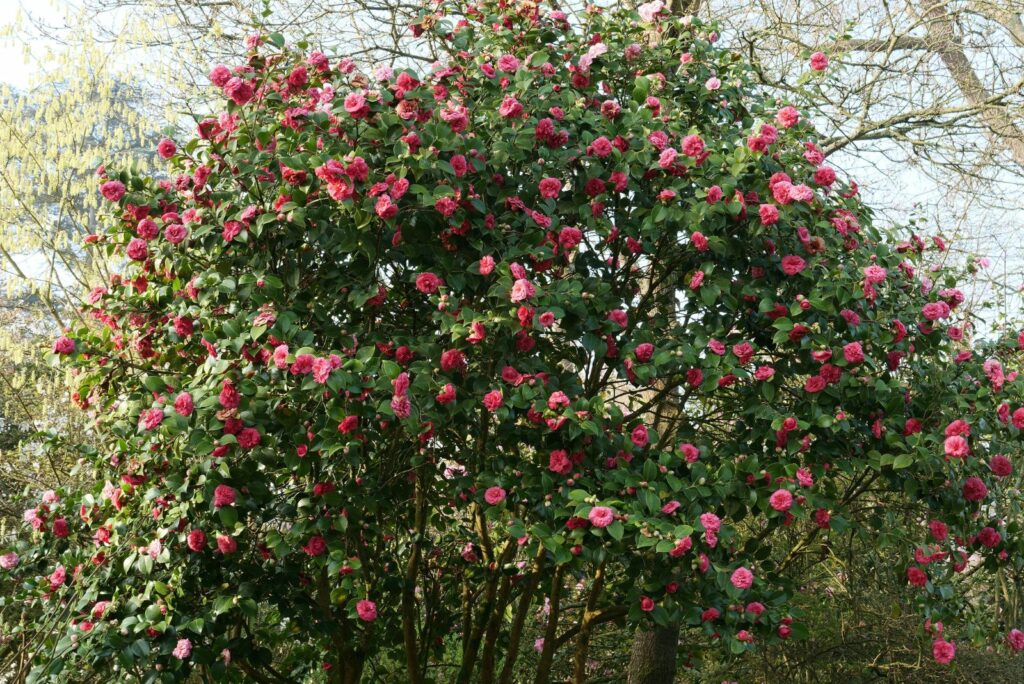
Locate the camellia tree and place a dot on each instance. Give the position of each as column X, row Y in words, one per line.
column 572, row 329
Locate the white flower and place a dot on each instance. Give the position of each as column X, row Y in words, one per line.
column 649, row 10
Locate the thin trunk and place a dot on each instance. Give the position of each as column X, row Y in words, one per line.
column 525, row 602
column 547, row 654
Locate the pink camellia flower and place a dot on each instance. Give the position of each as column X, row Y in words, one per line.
column 493, row 400
column 943, row 651
column 428, row 283
column 974, row 489
column 873, row 275
column 681, row 547
column 787, row 117
column 546, row 319
column 182, row 650
column 792, row 264
column 601, row 147
column 522, row 290
column 112, row 191
column 226, row 544
column 1015, row 640
column 649, row 10
column 764, row 373
column 137, row 250
column 781, row 500
column 239, row 90
column 804, row 477
column 175, row 233
column 558, row 462
column 742, row 578
column 691, row 454
column 486, row 265
column 639, row 436
column 956, row 447
column 446, row 395
column 671, row 507
column 601, row 516
column 367, row 610
column 9, row 560
column 646, row 604
column 224, row 495
column 570, row 237
column 152, row 418
column 853, row 353
column 64, row 345
column 510, row 107
column 692, row 146
column 549, row 188
column 494, row 495
column 667, row 158
column 713, row 83
column 508, row 63
column 769, row 214
column 644, row 351
column 934, row 311
column 183, row 404
column 446, row 206
column 819, row 61
column 166, row 148
column 219, row 75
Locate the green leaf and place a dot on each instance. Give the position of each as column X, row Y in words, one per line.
column 903, row 461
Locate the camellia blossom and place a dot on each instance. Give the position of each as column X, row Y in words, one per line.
column 943, row 651
column 974, row 489
column 781, row 500
column 224, row 495
column 649, row 10
column 742, row 578
column 819, row 61
column 9, row 560
column 182, row 650
column 792, row 264
column 367, row 610
column 601, row 516
column 494, row 495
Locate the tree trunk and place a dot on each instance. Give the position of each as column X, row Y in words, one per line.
column 653, row 656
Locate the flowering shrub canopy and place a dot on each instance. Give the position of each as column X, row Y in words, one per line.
column 393, row 353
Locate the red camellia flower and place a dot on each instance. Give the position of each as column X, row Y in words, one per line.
column 974, row 489
column 196, row 540
column 224, row 495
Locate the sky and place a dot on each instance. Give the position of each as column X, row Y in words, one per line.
column 14, row 68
